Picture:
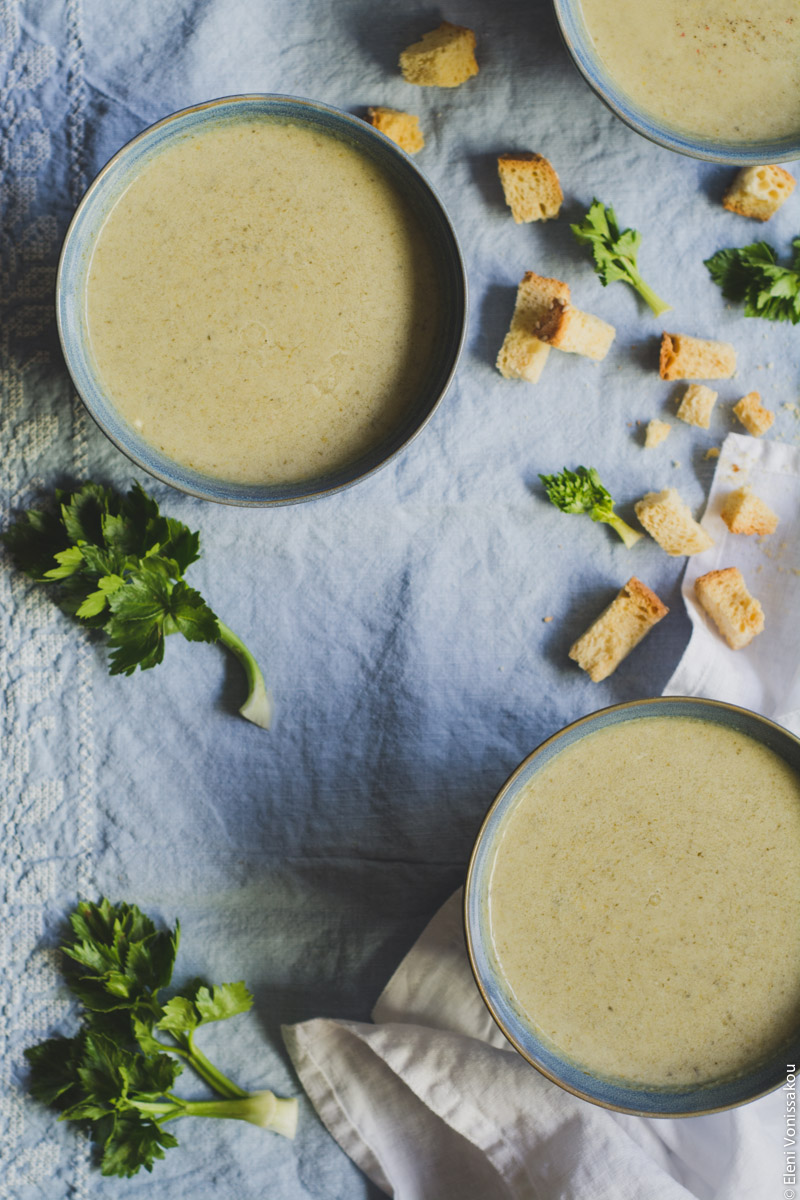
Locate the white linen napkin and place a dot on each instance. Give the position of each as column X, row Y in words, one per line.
column 432, row 1102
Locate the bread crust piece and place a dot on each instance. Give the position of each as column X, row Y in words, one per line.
column 684, row 357
column 670, row 522
column 522, row 355
column 758, row 192
column 724, row 596
column 402, row 127
column 696, row 405
column 744, row 512
column 445, row 57
column 568, row 328
column 620, row 627
column 657, row 432
column 752, row 414
column 531, row 187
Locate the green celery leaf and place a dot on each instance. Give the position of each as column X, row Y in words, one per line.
column 134, row 1141
column 226, row 1000
column 181, row 545
column 192, row 616
column 82, row 513
column 54, row 1065
column 69, row 561
column 34, row 541
column 180, row 1017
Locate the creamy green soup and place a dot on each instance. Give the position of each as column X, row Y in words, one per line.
column 644, row 902
column 723, row 69
column 261, row 303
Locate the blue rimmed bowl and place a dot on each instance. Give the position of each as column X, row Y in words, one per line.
column 580, row 46
column 520, row 1031
column 120, row 172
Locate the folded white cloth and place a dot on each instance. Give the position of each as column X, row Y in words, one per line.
column 765, row 676
column 431, row 1101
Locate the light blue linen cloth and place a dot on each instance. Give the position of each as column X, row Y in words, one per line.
column 402, row 624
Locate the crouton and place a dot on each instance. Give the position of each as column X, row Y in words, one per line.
column 443, row 58
column 758, row 192
column 724, row 596
column 685, row 357
column 531, row 187
column 744, row 512
column 402, row 127
column 656, row 432
column 619, row 628
column 567, row 328
column 696, row 405
column 752, row 414
column 667, row 519
column 522, row 356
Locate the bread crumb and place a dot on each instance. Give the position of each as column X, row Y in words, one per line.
column 445, row 57
column 712, row 452
column 402, row 127
column 758, row 192
column 737, row 615
column 752, row 414
column 531, row 187
column 547, row 620
column 667, row 519
column 696, row 405
column 620, row 627
column 684, row 357
column 744, row 512
column 656, row 432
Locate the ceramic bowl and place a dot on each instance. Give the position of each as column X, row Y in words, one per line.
column 579, row 45
column 123, row 168
column 651, row 1102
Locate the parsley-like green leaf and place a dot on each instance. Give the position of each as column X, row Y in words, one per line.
column 753, row 275
column 581, row 491
column 614, row 252
column 116, row 564
column 223, row 1001
column 115, row 1078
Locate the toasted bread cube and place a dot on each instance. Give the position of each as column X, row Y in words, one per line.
column 667, row 519
column 402, row 127
column 696, row 405
column 752, row 414
column 531, row 187
column 656, row 432
column 724, row 596
column 567, row 328
column 443, row 58
column 619, row 628
column 758, row 192
column 685, row 357
column 744, row 512
column 522, row 355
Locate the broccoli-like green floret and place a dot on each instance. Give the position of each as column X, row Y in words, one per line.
column 582, row 492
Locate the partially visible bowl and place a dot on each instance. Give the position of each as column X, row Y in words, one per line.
column 580, row 46
column 123, row 169
column 518, row 1026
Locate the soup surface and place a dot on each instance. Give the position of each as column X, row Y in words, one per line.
column 261, row 303
column 725, row 69
column 643, row 901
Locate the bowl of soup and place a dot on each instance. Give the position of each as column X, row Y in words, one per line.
column 718, row 80
column 261, row 300
column 631, row 907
